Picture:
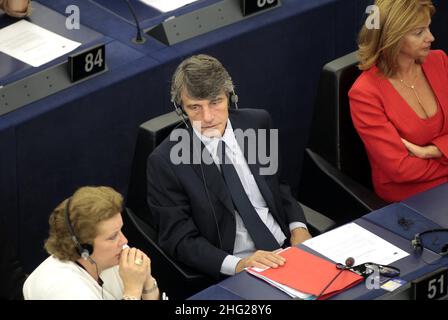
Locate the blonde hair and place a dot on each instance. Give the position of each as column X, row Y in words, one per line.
column 88, row 207
column 381, row 46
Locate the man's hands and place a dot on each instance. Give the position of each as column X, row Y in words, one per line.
column 298, row 235
column 426, row 152
column 264, row 259
column 261, row 259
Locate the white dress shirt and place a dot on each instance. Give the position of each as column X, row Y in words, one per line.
column 244, row 245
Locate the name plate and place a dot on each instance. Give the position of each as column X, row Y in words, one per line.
column 255, row 6
column 432, row 286
column 87, row 63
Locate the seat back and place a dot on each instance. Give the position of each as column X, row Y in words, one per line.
column 336, row 167
column 150, row 134
column 333, row 135
column 178, row 280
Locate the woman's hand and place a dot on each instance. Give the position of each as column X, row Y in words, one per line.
column 426, row 152
column 133, row 270
column 150, row 288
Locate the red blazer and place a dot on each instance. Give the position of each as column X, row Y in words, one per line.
column 381, row 117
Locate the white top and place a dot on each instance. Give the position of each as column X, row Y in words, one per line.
column 54, row 279
column 244, row 245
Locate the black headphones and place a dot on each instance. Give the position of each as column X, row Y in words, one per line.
column 84, row 250
column 233, row 98
column 417, row 242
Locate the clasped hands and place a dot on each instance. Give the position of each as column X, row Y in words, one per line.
column 135, row 271
column 425, row 152
column 264, row 259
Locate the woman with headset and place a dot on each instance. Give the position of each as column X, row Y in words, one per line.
column 89, row 258
column 15, row 8
column 399, row 104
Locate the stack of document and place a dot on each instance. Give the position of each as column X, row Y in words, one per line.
column 305, row 275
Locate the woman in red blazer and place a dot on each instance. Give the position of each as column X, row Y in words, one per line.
column 399, row 104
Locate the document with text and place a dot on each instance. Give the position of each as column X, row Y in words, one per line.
column 352, row 240
column 32, row 44
column 167, row 5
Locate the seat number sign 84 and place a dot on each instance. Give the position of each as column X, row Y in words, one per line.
column 255, row 6
column 87, row 63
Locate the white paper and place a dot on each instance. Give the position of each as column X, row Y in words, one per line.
column 351, row 240
column 167, row 5
column 32, row 44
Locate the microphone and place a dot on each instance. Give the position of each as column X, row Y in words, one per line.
column 349, row 262
column 139, row 39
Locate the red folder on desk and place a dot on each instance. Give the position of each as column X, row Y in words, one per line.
column 308, row 273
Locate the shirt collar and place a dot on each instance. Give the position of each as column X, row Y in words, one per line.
column 228, row 138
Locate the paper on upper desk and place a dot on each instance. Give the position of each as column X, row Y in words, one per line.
column 167, row 5
column 32, row 44
column 351, row 240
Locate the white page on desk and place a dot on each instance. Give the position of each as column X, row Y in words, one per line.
column 32, row 44
column 351, row 240
column 167, row 5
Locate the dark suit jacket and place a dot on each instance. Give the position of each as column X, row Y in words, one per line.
column 187, row 221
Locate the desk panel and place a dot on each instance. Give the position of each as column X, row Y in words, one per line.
column 431, row 204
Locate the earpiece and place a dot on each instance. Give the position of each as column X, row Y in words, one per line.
column 444, row 250
column 418, row 245
column 180, row 113
column 416, row 242
column 84, row 250
column 233, row 97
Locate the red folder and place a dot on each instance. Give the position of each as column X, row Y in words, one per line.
column 308, row 273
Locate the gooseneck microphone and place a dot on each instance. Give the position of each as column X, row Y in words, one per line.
column 139, row 39
column 349, row 262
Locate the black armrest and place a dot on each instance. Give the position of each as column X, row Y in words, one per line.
column 317, row 222
column 328, row 190
column 178, row 280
